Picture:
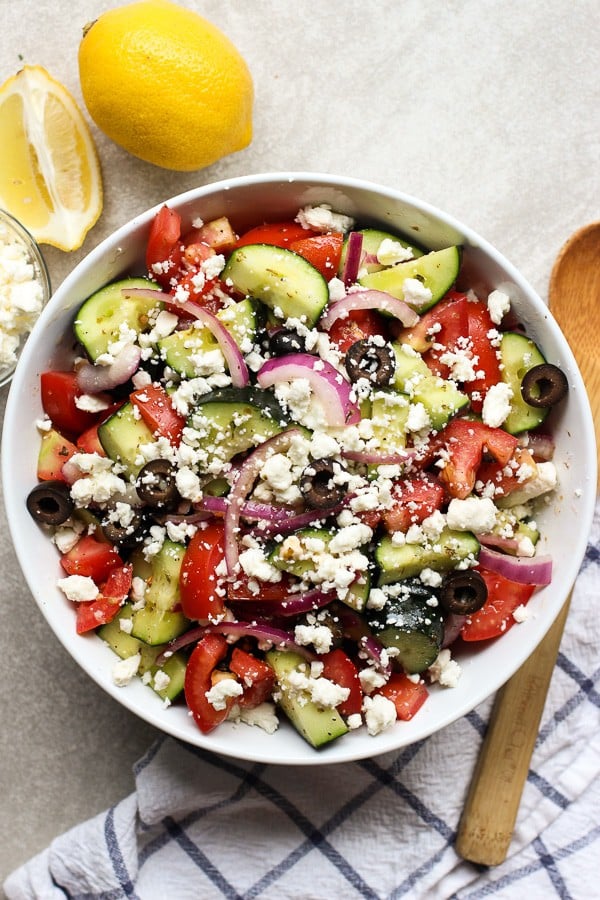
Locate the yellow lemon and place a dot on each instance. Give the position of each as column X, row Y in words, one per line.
column 49, row 172
column 166, row 85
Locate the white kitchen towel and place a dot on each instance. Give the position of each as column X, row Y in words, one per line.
column 203, row 826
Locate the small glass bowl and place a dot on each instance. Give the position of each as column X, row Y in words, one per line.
column 20, row 234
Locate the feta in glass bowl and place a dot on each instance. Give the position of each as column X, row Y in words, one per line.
column 24, row 290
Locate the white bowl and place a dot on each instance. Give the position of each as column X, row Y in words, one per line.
column 564, row 523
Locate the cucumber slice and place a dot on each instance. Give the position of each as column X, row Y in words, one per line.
column 281, row 279
column 408, row 560
column 372, row 239
column 177, row 350
column 232, row 421
column 158, row 626
column 317, row 726
column 101, row 316
column 519, row 355
column 441, row 398
column 125, row 645
column 163, row 586
column 437, row 270
column 121, row 436
column 409, row 624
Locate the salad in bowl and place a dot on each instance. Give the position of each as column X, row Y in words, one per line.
column 295, row 472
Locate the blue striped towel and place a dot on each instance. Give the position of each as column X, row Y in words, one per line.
column 204, row 826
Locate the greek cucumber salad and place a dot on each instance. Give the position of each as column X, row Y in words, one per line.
column 291, row 471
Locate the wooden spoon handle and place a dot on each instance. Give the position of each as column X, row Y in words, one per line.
column 490, row 812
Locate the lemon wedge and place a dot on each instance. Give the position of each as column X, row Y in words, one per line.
column 50, row 176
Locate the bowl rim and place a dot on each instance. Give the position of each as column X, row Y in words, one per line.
column 350, row 751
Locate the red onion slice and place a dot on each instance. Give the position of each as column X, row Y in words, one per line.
column 328, row 385
column 353, row 258
column 525, row 570
column 93, row 379
column 246, row 478
column 293, row 605
column 541, row 446
column 369, row 300
column 496, row 541
column 452, row 628
column 374, row 651
column 271, row 519
column 264, row 631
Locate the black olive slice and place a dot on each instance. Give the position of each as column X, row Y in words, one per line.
column 317, row 484
column 117, row 532
column 155, row 483
column 367, row 359
column 50, row 503
column 286, row 341
column 463, row 593
column 544, row 386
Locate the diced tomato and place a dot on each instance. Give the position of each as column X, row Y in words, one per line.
column 279, row 234
column 509, row 477
column 370, row 517
column 257, row 678
column 465, row 442
column 58, row 392
column 339, row 668
column 198, row 580
column 414, row 500
column 89, row 442
column 407, row 697
column 358, row 325
column 201, row 292
column 91, row 557
column 488, row 363
column 55, row 450
column 496, row 616
column 207, row 653
column 218, row 234
column 164, row 248
column 323, row 252
column 443, row 324
column 274, row 591
column 105, row 607
column 158, row 412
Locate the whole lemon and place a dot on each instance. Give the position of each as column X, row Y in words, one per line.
column 166, row 85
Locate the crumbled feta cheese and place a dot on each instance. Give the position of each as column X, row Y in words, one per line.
column 371, row 679
column 379, row 712
column 477, row 514
column 222, row 691
column 337, row 289
column 415, row 293
column 445, row 670
column 161, row 681
column 544, row 480
column 263, row 716
column 125, row 669
column 354, row 721
column 78, row 588
column 418, row 418
column 496, row 404
column 255, row 564
column 91, row 403
column 391, row 252
column 498, row 304
column 320, row 636
column 322, row 218
column 126, row 625
column 521, row 613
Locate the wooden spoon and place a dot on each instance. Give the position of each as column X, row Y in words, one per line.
column 492, row 804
